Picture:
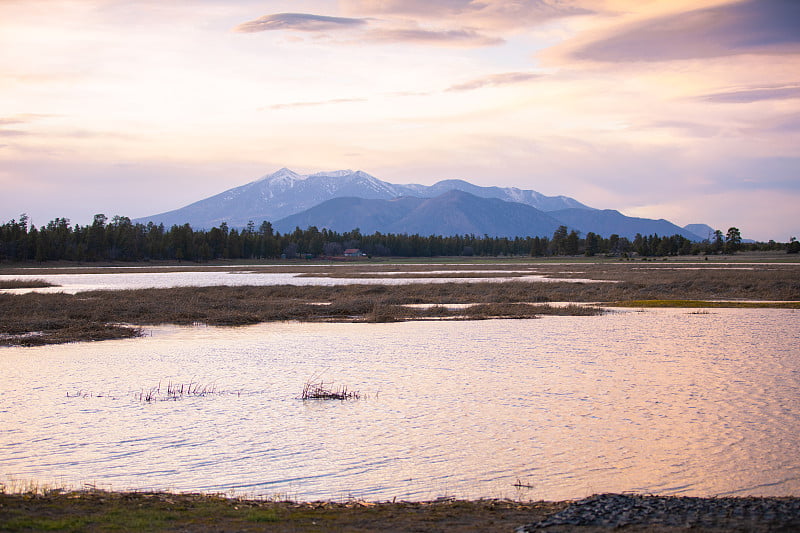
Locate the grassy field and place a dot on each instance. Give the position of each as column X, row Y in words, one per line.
column 38, row 318
column 96, row 511
column 133, row 512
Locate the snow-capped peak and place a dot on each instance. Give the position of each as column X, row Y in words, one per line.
column 333, row 174
column 284, row 174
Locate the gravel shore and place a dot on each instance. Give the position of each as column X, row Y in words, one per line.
column 672, row 513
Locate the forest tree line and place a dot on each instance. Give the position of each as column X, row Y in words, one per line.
column 118, row 239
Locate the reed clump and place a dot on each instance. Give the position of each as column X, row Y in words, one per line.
column 24, row 284
column 319, row 390
column 496, row 310
column 175, row 391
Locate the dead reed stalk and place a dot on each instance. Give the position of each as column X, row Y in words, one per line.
column 175, row 391
column 319, row 390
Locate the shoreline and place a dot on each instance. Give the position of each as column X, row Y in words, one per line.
column 96, row 510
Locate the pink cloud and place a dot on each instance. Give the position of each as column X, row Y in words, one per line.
column 763, row 26
column 297, row 22
column 495, row 80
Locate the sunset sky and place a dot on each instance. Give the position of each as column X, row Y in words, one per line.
column 687, row 110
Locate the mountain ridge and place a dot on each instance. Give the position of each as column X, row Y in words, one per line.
column 285, row 192
column 461, row 213
column 343, row 200
column 451, row 213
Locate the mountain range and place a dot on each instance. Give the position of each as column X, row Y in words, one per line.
column 344, row 200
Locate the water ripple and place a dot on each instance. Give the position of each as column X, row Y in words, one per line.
column 569, row 405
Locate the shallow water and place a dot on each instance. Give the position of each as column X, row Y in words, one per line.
column 73, row 283
column 122, row 278
column 663, row 401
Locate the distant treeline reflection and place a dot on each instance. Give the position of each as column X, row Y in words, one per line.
column 121, row 240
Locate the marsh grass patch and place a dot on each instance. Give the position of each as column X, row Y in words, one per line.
column 33, row 319
column 316, row 389
column 25, row 284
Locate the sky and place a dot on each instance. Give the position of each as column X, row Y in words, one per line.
column 687, row 110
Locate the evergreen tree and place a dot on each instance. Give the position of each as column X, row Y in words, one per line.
column 733, row 240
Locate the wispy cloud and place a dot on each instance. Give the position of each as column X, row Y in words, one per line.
column 495, row 80
column 369, row 30
column 485, row 14
column 459, row 37
column 293, row 105
column 436, row 8
column 776, row 173
column 692, row 129
column 403, row 94
column 17, row 120
column 22, row 118
column 751, row 26
column 298, row 22
column 786, row 124
column 12, row 133
column 758, row 94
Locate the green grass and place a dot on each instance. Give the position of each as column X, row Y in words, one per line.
column 101, row 511
column 262, row 515
column 36, row 523
column 126, row 512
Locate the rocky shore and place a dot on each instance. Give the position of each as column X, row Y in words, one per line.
column 672, row 513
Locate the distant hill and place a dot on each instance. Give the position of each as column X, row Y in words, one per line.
column 285, row 193
column 509, row 194
column 703, row 231
column 451, row 213
column 346, row 214
column 608, row 222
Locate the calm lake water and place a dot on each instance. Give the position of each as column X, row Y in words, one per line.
column 663, row 401
column 118, row 279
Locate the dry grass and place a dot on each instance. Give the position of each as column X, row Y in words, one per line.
column 315, row 389
column 30, row 319
column 24, row 283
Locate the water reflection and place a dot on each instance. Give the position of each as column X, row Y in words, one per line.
column 663, row 401
column 73, row 283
